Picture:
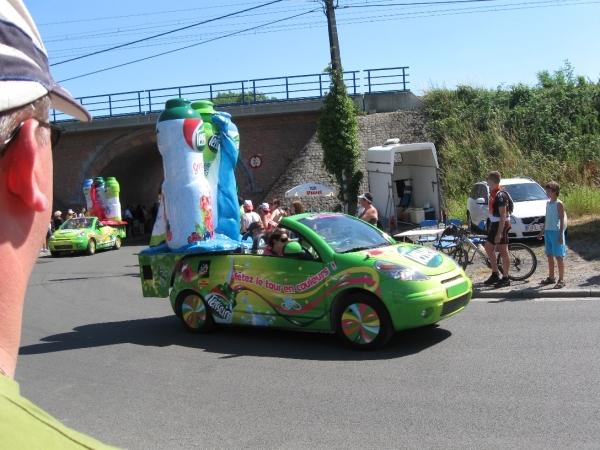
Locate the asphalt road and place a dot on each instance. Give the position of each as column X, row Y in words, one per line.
column 110, row 363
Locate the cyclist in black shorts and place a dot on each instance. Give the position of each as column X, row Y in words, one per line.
column 498, row 231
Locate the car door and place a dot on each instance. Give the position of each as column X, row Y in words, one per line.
column 282, row 291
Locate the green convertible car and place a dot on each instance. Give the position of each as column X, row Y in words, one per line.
column 337, row 274
column 85, row 234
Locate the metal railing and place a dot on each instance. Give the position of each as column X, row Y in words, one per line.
column 243, row 92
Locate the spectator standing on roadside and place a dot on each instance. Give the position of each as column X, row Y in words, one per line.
column 27, row 92
column 498, row 232
column 369, row 212
column 82, row 213
column 128, row 217
column 296, row 208
column 277, row 212
column 265, row 215
column 249, row 216
column 57, row 221
column 553, row 232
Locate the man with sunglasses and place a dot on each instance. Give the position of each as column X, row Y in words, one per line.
column 27, row 92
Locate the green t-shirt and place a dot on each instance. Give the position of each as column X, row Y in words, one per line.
column 25, row 426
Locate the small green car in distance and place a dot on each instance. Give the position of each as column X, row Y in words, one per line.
column 85, row 234
column 337, row 274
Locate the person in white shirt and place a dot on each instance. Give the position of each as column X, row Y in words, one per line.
column 249, row 216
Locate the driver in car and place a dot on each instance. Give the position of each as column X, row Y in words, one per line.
column 276, row 242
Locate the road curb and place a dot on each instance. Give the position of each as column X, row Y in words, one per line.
column 536, row 293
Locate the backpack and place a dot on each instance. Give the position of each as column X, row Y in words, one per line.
column 511, row 204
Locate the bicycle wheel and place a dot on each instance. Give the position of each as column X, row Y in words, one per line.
column 523, row 262
column 461, row 256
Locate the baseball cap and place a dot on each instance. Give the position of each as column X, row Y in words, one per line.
column 24, row 69
column 265, row 207
column 248, row 205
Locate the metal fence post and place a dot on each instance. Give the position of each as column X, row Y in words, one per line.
column 254, row 91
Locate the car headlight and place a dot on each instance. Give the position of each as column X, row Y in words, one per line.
column 52, row 237
column 513, row 220
column 82, row 234
column 398, row 272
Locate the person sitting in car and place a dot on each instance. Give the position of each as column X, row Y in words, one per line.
column 276, row 242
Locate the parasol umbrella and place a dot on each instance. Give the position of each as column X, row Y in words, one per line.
column 311, row 190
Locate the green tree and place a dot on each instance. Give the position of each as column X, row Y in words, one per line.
column 337, row 132
column 236, row 97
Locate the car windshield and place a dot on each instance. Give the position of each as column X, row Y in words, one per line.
column 78, row 223
column 524, row 192
column 345, row 234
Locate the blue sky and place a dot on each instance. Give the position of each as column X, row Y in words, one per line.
column 484, row 43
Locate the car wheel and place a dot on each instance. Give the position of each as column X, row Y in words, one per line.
column 195, row 315
column 363, row 322
column 117, row 245
column 55, row 253
column 91, row 248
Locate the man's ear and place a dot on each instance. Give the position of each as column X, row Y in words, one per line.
column 23, row 157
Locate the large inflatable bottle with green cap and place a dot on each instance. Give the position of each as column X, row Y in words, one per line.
column 87, row 193
column 113, row 205
column 186, row 198
column 206, row 110
column 99, row 199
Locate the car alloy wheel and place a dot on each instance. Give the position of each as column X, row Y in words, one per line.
column 363, row 322
column 91, row 247
column 194, row 313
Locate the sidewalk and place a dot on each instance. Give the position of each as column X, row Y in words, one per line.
column 532, row 292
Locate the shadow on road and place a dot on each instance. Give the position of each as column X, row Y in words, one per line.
column 234, row 341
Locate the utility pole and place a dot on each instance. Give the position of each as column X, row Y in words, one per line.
column 334, row 45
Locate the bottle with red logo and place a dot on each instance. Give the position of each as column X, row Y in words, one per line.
column 181, row 141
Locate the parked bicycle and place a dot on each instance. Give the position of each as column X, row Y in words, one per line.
column 464, row 247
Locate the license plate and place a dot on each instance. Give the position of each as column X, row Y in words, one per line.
column 534, row 227
column 456, row 290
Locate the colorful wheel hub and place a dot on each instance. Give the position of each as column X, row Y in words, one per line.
column 360, row 323
column 194, row 311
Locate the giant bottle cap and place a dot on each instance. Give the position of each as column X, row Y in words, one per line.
column 178, row 108
column 204, row 107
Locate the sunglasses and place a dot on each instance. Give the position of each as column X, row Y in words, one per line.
column 55, row 132
column 283, row 239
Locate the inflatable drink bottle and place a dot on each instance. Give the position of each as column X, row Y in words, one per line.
column 222, row 175
column 181, row 139
column 159, row 232
column 205, row 108
column 113, row 205
column 87, row 193
column 99, row 199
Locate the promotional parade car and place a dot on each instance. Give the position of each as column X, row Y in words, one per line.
column 85, row 234
column 337, row 274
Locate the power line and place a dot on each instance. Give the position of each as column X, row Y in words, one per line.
column 130, row 15
column 418, row 4
column 167, row 32
column 186, row 47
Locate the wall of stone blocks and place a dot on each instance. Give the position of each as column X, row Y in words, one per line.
column 374, row 129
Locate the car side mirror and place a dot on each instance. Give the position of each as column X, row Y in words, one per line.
column 481, row 201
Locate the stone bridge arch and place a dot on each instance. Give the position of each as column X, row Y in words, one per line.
column 134, row 160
